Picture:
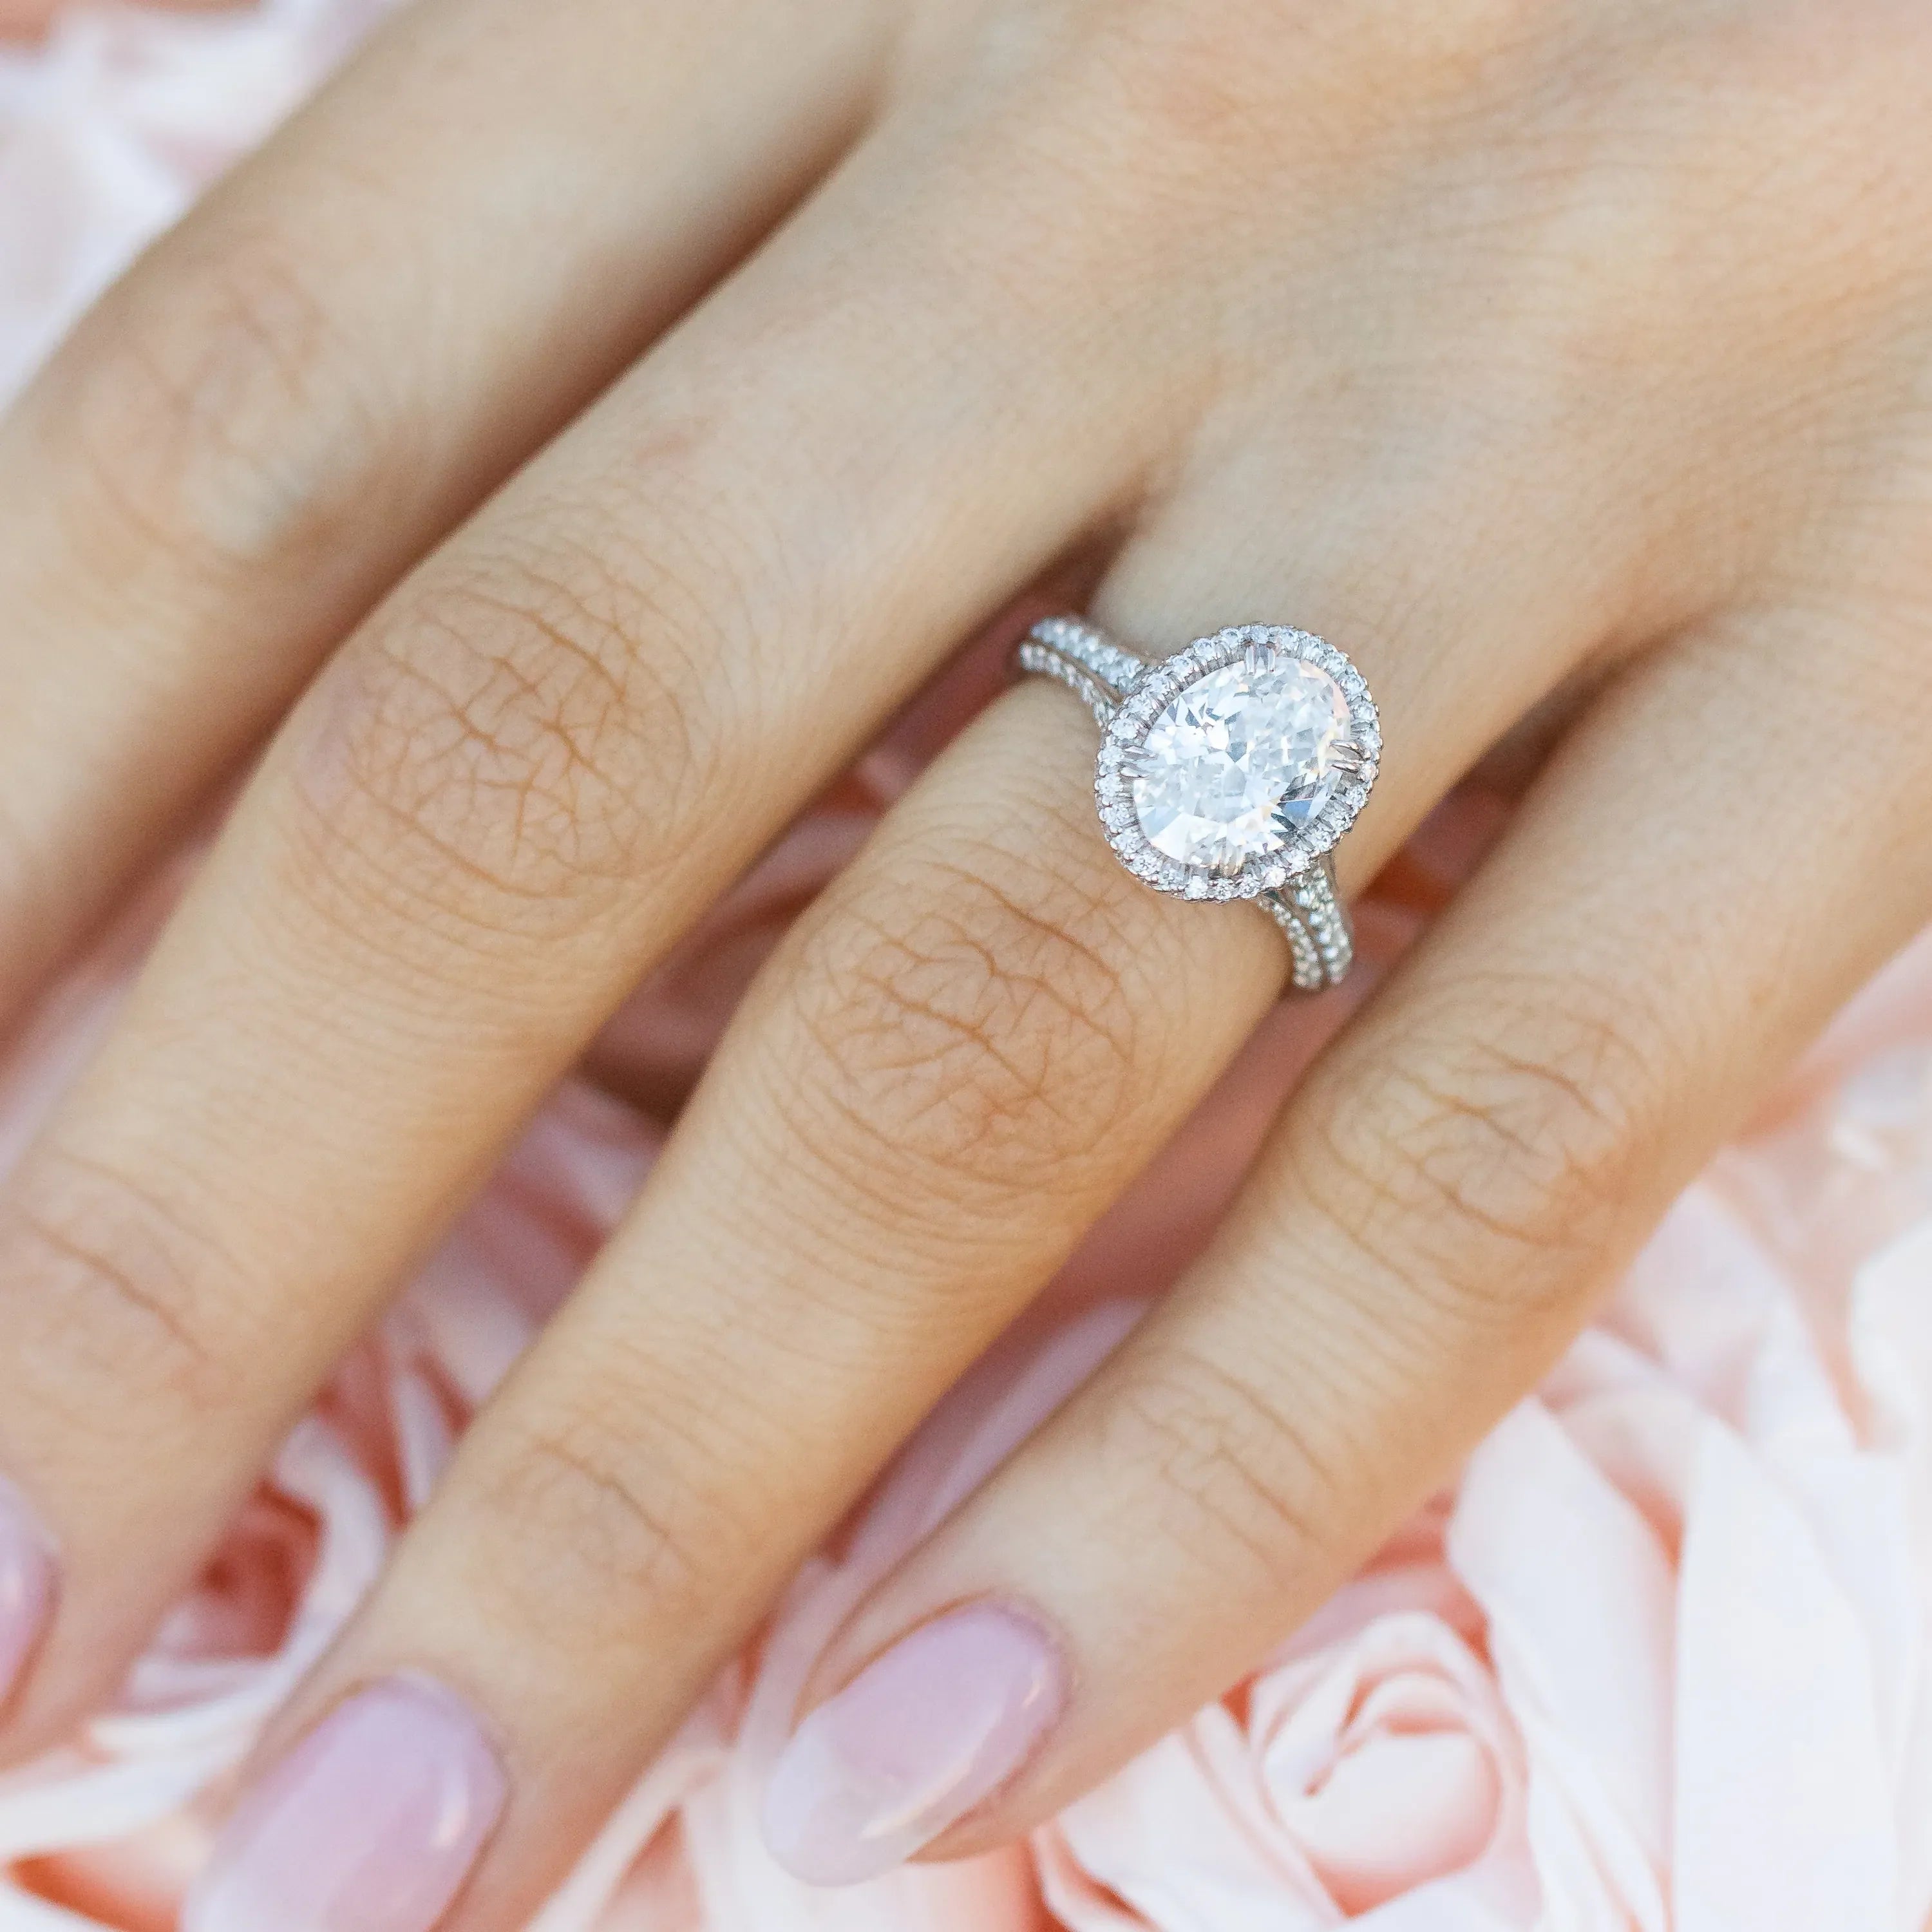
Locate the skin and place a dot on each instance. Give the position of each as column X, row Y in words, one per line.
column 556, row 511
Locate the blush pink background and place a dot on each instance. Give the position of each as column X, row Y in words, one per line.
column 1658, row 1659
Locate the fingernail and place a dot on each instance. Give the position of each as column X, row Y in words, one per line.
column 920, row 1737
column 26, row 1586
column 371, row 1824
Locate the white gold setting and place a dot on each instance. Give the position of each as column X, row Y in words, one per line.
column 1269, row 807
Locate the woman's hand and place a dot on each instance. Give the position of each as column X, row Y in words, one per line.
column 1566, row 359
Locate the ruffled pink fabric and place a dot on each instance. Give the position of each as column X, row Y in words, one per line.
column 1656, row 1663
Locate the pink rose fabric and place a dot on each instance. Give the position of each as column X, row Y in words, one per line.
column 1657, row 1662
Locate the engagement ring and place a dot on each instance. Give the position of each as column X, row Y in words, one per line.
column 1230, row 770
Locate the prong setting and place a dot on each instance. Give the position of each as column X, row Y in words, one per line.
column 1301, row 845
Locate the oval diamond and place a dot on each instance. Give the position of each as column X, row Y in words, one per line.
column 1238, row 760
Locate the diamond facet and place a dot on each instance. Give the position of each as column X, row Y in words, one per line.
column 1239, row 758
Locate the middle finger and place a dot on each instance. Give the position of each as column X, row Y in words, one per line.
column 529, row 770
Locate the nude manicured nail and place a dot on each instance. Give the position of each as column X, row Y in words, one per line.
column 26, row 1586
column 371, row 1824
column 921, row 1736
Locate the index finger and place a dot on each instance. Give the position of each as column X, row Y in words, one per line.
column 256, row 433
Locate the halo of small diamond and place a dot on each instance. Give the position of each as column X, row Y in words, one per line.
column 1151, row 693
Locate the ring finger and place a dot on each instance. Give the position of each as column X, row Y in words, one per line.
column 1468, row 1166
column 962, row 1055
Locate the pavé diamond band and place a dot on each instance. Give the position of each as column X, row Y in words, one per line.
column 1229, row 770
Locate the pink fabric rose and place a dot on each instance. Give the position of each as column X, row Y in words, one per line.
column 1659, row 1662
